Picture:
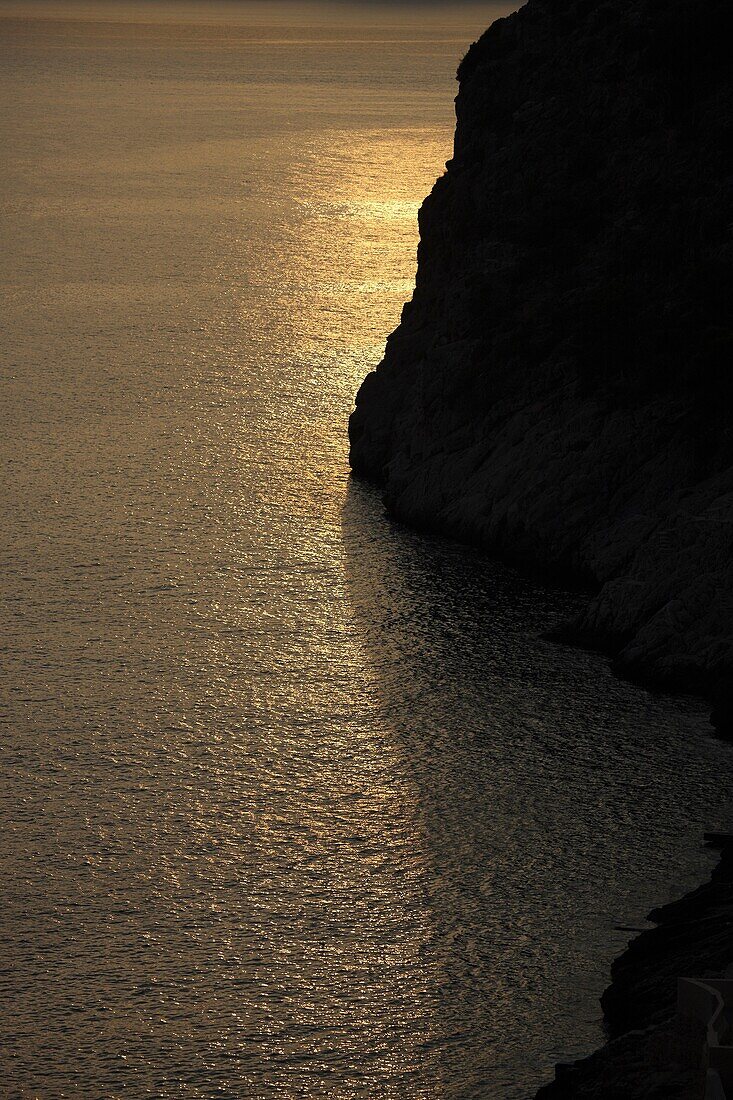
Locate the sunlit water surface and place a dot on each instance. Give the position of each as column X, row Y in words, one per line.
column 295, row 803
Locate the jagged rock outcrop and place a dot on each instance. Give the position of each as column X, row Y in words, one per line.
column 559, row 389
column 652, row 1055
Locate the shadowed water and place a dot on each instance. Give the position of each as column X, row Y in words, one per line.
column 294, row 802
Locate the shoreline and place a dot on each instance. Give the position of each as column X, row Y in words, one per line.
column 555, row 394
column 652, row 1051
column 574, row 633
column 648, row 1047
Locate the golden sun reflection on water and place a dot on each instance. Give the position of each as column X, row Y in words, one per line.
column 359, row 218
column 351, row 929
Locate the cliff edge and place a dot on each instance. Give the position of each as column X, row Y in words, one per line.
column 559, row 389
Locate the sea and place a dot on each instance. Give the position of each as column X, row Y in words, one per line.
column 294, row 802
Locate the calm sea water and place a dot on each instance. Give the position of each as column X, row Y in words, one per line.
column 294, row 802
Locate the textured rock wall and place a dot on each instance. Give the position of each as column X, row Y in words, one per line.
column 559, row 388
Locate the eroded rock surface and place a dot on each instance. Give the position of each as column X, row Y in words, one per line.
column 559, row 389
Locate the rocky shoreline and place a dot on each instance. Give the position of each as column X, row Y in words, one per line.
column 559, row 388
column 651, row 1052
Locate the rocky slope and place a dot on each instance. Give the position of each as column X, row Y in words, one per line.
column 559, row 389
column 651, row 1054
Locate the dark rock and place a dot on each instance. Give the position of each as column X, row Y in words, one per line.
column 693, row 937
column 559, row 389
column 650, row 1052
column 659, row 1063
column 722, row 716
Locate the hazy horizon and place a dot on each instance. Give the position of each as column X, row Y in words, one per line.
column 197, row 11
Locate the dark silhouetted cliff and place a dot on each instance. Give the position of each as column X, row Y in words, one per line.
column 559, row 389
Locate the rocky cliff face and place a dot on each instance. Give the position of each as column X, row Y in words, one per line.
column 559, row 389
